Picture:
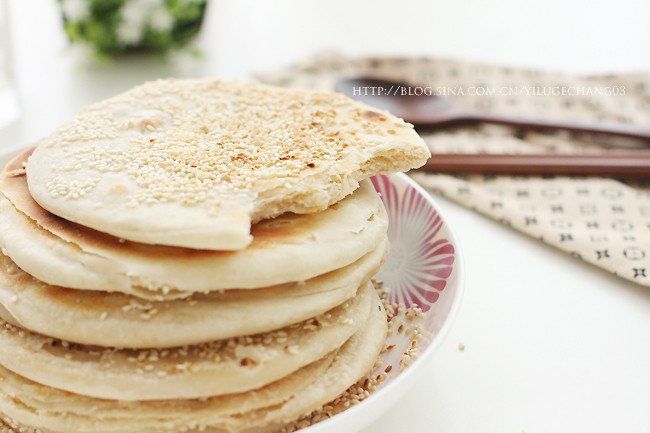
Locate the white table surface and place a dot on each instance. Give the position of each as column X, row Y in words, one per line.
column 551, row 344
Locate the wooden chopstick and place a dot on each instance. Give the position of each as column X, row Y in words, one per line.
column 625, row 164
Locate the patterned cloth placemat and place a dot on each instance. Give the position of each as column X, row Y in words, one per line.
column 602, row 221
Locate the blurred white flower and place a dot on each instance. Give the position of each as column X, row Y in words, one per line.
column 76, row 10
column 129, row 34
column 134, row 13
column 150, row 4
column 161, row 20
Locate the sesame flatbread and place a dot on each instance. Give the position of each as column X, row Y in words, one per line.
column 193, row 163
column 27, row 404
column 288, row 248
column 119, row 320
column 73, row 412
column 221, row 367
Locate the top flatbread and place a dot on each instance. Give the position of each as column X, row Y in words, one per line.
column 287, row 248
column 194, row 162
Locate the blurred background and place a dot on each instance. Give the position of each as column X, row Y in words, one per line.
column 240, row 38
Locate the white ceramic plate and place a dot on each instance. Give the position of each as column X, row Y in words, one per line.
column 424, row 268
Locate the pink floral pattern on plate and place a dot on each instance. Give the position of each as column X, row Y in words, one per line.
column 424, row 268
column 421, row 256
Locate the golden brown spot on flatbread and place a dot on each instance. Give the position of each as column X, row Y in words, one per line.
column 373, row 115
column 118, row 188
column 287, row 228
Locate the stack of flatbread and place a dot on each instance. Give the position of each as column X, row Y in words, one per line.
column 194, row 255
